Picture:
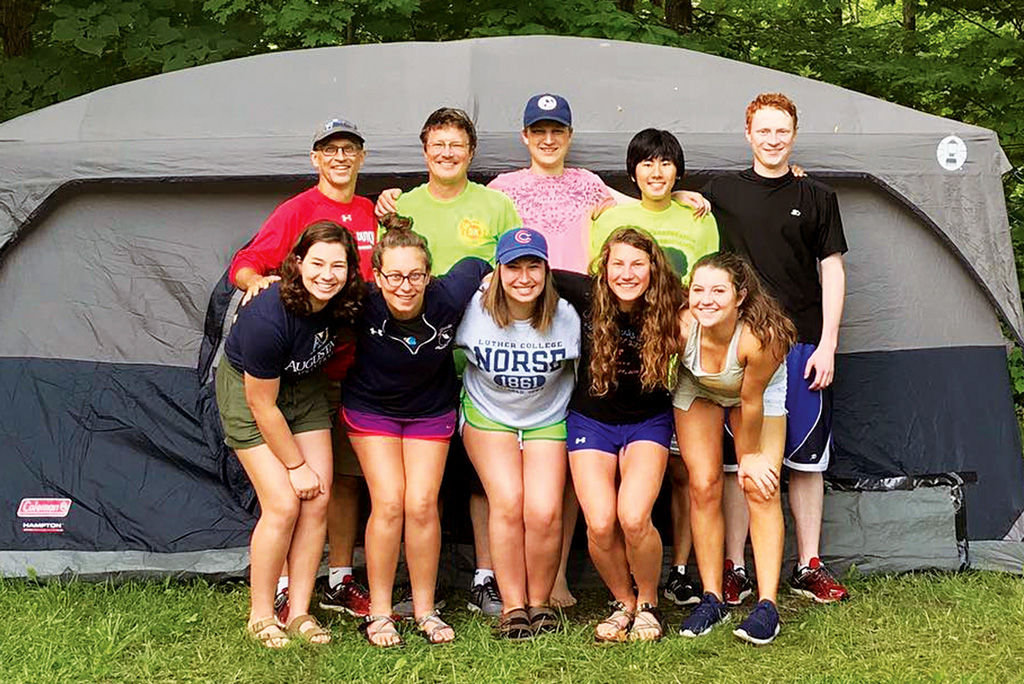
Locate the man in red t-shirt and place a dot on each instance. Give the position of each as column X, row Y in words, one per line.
column 337, row 155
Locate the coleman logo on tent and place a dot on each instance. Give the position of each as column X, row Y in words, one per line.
column 951, row 153
column 44, row 508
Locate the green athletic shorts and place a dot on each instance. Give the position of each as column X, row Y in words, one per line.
column 302, row 401
column 471, row 415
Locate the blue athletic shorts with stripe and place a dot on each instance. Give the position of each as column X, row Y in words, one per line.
column 808, row 419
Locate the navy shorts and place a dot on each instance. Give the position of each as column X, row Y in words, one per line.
column 808, row 419
column 587, row 433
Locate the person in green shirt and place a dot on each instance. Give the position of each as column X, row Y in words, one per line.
column 654, row 162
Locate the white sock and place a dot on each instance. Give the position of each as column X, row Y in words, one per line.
column 481, row 575
column 282, row 583
column 681, row 569
column 336, row 576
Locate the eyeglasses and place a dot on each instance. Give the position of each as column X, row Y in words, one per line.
column 456, row 147
column 347, row 151
column 395, row 279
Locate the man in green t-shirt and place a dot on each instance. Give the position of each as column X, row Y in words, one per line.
column 459, row 218
column 654, row 161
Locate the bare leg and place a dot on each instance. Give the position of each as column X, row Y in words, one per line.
column 700, row 441
column 544, row 465
column 806, row 501
column 499, row 463
column 479, row 512
column 343, row 520
column 593, row 474
column 381, row 461
column 643, row 469
column 560, row 594
column 307, row 543
column 682, row 536
column 424, row 465
column 734, row 509
column 279, row 509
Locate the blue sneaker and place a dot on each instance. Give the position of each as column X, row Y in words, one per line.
column 761, row 626
column 708, row 613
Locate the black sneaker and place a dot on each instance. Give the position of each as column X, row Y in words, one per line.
column 708, row 613
column 761, row 626
column 484, row 598
column 281, row 606
column 680, row 589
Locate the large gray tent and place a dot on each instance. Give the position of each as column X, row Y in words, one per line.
column 119, row 211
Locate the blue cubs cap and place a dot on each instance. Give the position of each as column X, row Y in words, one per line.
column 520, row 242
column 547, row 107
column 332, row 127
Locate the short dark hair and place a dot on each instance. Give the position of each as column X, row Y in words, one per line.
column 449, row 116
column 652, row 143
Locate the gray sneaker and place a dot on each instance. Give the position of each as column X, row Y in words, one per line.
column 484, row 598
column 403, row 607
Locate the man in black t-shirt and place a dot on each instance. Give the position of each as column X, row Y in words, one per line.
column 789, row 228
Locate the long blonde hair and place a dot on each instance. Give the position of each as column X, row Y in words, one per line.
column 657, row 311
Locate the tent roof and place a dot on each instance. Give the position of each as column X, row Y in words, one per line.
column 254, row 117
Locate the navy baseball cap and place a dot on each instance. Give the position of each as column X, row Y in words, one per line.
column 547, row 107
column 520, row 242
column 332, row 127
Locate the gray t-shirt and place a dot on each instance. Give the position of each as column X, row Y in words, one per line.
column 518, row 376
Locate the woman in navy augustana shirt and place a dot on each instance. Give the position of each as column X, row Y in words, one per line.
column 399, row 403
column 272, row 400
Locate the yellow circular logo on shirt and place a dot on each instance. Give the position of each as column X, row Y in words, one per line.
column 471, row 230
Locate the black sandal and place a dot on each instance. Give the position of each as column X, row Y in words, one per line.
column 543, row 620
column 515, row 625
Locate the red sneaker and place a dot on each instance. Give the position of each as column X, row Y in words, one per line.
column 815, row 581
column 736, row 586
column 348, row 597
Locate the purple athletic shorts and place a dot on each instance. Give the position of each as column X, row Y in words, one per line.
column 587, row 433
column 435, row 428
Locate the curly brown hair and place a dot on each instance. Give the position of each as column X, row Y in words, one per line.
column 343, row 308
column 758, row 310
column 657, row 316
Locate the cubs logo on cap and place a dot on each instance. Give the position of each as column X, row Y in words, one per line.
column 520, row 242
column 547, row 107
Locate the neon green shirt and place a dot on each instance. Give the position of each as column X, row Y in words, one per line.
column 468, row 225
column 683, row 238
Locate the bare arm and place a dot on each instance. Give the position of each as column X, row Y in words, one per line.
column 261, row 396
column 754, row 463
column 833, row 291
column 387, row 202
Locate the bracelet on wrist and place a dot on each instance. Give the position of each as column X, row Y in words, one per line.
column 289, row 469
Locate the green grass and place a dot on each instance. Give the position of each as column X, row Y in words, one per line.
column 910, row 628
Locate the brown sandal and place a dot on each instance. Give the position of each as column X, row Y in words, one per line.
column 515, row 625
column 430, row 625
column 385, row 627
column 266, row 631
column 621, row 619
column 309, row 635
column 543, row 619
column 646, row 624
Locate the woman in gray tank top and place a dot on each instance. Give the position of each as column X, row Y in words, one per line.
column 735, row 340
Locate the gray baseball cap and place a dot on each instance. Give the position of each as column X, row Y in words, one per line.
column 332, row 127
